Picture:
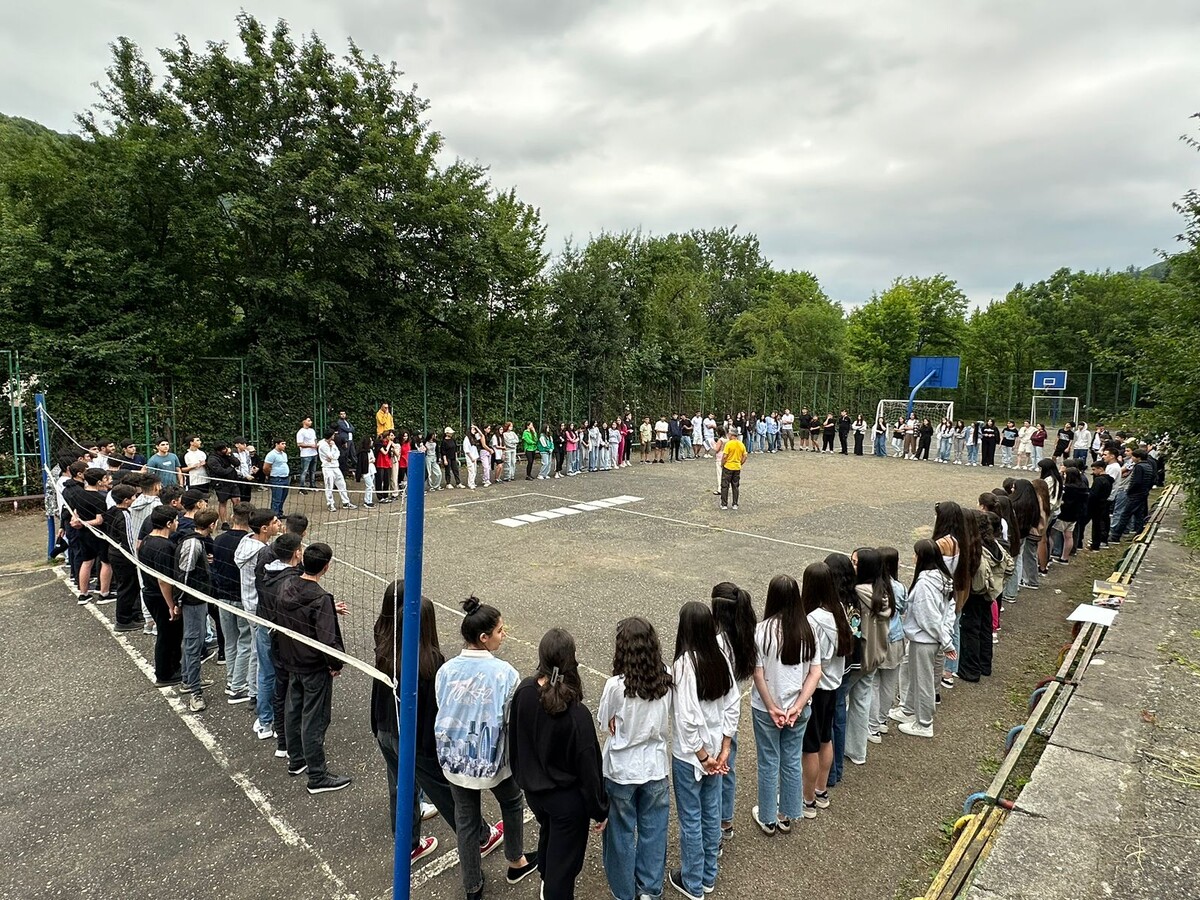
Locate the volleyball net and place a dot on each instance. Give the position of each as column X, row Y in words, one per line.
column 367, row 541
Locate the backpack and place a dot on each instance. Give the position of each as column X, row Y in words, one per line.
column 984, row 581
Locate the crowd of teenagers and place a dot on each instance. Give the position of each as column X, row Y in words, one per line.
column 838, row 658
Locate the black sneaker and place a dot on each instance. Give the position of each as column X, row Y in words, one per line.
column 520, row 873
column 328, row 783
column 297, row 770
column 127, row 626
column 675, row 878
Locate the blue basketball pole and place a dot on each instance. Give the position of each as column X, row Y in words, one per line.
column 414, row 542
column 44, row 454
column 913, row 396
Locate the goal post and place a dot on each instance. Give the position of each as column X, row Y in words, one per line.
column 1053, row 409
column 933, row 410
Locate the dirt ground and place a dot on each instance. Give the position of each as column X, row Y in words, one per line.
column 117, row 792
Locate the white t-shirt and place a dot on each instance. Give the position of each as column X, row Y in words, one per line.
column 833, row 667
column 306, row 436
column 637, row 752
column 784, row 682
column 700, row 723
column 198, row 475
column 1113, row 471
column 786, row 421
column 660, row 430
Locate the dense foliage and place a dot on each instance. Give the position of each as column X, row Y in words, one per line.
column 275, row 205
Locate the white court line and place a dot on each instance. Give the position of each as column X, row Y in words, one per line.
column 27, row 572
column 208, row 740
column 490, row 499
column 443, row 863
column 344, row 521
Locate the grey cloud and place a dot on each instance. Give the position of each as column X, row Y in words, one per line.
column 862, row 141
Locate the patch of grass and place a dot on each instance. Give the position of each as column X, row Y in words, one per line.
column 1180, row 660
column 989, row 766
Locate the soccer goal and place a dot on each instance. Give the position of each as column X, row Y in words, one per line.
column 933, row 410
column 1053, row 410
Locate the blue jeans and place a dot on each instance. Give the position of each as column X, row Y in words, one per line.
column 698, row 804
column 729, row 783
column 635, row 841
column 685, row 446
column 950, row 666
column 266, row 675
column 780, row 781
column 972, row 454
column 839, row 729
column 308, row 470
column 194, row 617
column 545, row 471
column 944, row 449
column 279, row 492
column 593, row 458
column 881, row 445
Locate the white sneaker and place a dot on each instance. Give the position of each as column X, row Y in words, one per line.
column 428, row 811
column 912, row 728
column 875, row 737
column 735, row 506
column 332, row 508
column 897, row 714
column 264, row 732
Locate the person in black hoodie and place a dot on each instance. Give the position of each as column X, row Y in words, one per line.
column 1133, row 513
column 924, row 439
column 308, row 609
column 221, row 467
column 1097, row 509
column 844, row 425
column 191, row 569
column 124, row 573
column 556, row 760
column 274, row 576
column 988, row 436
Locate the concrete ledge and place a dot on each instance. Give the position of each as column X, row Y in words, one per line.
column 1098, row 818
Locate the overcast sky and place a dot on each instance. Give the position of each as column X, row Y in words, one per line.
column 862, row 141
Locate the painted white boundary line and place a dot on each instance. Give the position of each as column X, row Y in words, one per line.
column 289, row 835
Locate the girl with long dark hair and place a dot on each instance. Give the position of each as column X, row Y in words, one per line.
column 827, row 618
column 975, row 639
column 706, row 706
column 989, row 435
column 1027, row 510
column 842, row 569
column 1009, row 536
column 735, row 618
column 924, row 439
column 957, row 537
column 927, row 627
column 887, row 676
column 635, row 712
column 384, row 720
column 876, row 606
column 556, row 761
column 785, row 677
column 474, row 692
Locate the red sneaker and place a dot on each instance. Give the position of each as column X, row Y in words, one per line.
column 494, row 840
column 425, row 846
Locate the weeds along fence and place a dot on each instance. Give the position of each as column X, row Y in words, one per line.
column 221, row 398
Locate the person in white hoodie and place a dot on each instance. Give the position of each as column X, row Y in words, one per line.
column 706, row 708
column 928, row 627
column 1082, row 443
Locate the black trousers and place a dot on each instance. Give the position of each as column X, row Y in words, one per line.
column 673, row 447
column 530, row 459
column 383, row 482
column 560, row 456
column 562, row 839
column 989, row 453
column 975, row 646
column 309, row 700
column 858, row 443
column 279, row 696
column 842, row 439
column 1100, row 521
column 827, row 441
column 923, row 447
column 730, row 478
column 168, row 646
column 125, row 583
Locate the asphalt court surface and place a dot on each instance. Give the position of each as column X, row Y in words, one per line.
column 582, row 572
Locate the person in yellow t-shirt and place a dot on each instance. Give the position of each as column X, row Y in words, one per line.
column 733, row 457
column 383, row 420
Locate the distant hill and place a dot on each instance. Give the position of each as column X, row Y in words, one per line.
column 1159, row 271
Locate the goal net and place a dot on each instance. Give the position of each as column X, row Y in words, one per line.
column 1054, row 410
column 933, row 410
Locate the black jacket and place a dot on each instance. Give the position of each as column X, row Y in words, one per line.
column 307, row 608
column 555, row 752
column 270, row 585
column 223, row 467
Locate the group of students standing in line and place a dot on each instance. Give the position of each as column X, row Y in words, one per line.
column 838, row 659
column 976, row 443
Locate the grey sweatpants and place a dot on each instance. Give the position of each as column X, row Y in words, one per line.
column 919, row 698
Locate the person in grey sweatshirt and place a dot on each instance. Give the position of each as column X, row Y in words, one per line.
column 928, row 627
